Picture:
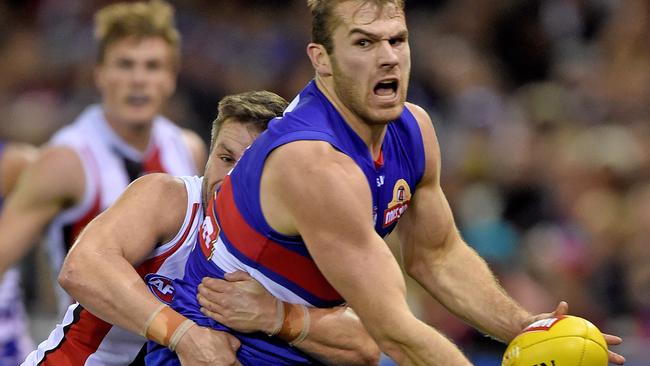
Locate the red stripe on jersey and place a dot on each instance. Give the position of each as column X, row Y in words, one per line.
column 152, row 265
column 78, row 226
column 152, row 163
column 81, row 339
column 96, row 207
column 294, row 267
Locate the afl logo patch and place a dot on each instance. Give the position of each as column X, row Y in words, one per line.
column 161, row 287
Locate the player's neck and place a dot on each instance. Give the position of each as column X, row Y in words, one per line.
column 136, row 135
column 371, row 133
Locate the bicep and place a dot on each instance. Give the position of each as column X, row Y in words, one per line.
column 138, row 220
column 427, row 229
column 331, row 207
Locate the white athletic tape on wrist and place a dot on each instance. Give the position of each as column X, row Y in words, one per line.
column 179, row 333
column 150, row 319
column 305, row 327
column 279, row 318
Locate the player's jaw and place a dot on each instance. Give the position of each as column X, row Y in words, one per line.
column 386, row 96
column 379, row 102
column 139, row 107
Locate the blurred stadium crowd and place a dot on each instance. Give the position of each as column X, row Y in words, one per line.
column 542, row 109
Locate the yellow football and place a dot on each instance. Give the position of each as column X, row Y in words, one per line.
column 561, row 341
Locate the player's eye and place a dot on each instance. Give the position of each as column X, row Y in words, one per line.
column 227, row 159
column 363, row 43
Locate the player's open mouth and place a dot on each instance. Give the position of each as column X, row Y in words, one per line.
column 137, row 100
column 386, row 89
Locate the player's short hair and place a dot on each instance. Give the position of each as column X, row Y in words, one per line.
column 136, row 19
column 324, row 20
column 254, row 109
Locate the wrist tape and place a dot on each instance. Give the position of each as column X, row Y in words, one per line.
column 166, row 327
column 295, row 325
column 279, row 318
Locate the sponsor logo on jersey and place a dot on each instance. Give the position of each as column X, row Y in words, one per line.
column 399, row 204
column 161, row 287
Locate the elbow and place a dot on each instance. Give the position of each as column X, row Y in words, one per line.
column 370, row 355
column 395, row 350
column 70, row 276
column 417, row 268
column 366, row 354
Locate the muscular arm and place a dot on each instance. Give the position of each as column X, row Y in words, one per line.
column 55, row 180
column 437, row 257
column 99, row 272
column 311, row 189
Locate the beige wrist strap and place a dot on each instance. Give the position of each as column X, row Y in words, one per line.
column 295, row 326
column 179, row 333
column 166, row 327
column 279, row 318
column 305, row 327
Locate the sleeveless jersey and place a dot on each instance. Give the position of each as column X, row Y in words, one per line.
column 84, row 339
column 15, row 341
column 235, row 235
column 109, row 164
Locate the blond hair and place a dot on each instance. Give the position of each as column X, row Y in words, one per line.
column 140, row 19
column 324, row 21
column 254, row 109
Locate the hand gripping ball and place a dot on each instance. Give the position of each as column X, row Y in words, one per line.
column 561, row 341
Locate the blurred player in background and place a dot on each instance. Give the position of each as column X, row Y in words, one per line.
column 15, row 341
column 157, row 235
column 87, row 164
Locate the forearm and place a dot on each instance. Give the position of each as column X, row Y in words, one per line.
column 109, row 287
column 19, row 231
column 465, row 285
column 411, row 342
column 337, row 337
column 13, row 251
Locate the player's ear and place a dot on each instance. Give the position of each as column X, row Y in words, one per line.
column 320, row 59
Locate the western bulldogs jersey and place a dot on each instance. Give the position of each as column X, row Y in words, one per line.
column 84, row 339
column 110, row 164
column 14, row 334
column 235, row 235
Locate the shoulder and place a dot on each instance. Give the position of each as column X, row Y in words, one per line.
column 307, row 181
column 15, row 158
column 58, row 172
column 429, row 140
column 19, row 154
column 161, row 197
column 152, row 187
column 312, row 164
column 421, row 116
